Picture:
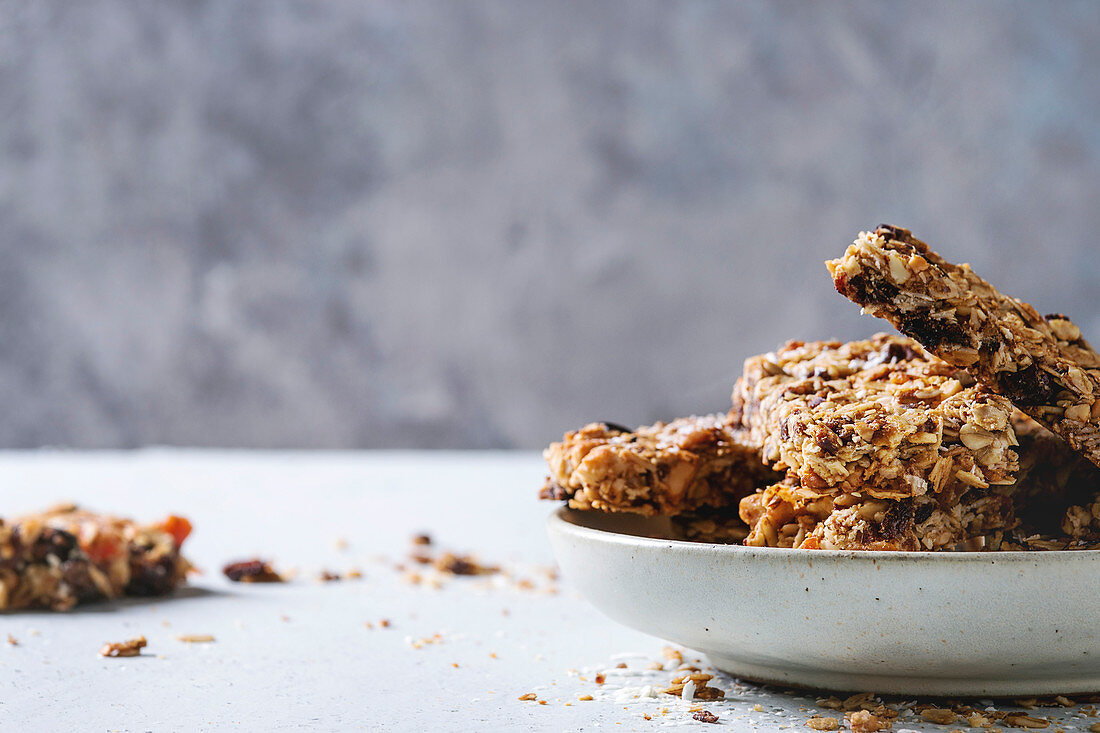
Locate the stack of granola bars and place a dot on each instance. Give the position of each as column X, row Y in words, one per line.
column 979, row 429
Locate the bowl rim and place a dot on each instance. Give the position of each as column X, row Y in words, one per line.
column 557, row 521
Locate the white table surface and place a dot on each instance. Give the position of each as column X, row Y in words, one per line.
column 299, row 655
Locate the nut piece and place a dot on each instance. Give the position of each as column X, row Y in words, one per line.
column 705, row 716
column 131, row 648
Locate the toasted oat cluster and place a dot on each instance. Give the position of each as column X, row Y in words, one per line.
column 879, row 417
column 667, row 468
column 1040, row 363
column 65, row 556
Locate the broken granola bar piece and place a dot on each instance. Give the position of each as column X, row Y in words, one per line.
column 786, row 515
column 667, row 468
column 1042, row 364
column 879, row 417
column 65, row 556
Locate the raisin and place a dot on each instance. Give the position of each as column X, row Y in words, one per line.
column 1032, row 386
column 251, row 571
column 898, row 520
column 894, row 352
column 828, row 441
column 553, row 491
column 151, row 578
column 55, row 542
column 932, row 331
column 864, row 290
column 894, row 232
column 75, row 574
column 923, row 512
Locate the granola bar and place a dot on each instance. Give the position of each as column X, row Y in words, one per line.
column 785, row 515
column 1040, row 363
column 879, row 417
column 65, row 556
column 667, row 468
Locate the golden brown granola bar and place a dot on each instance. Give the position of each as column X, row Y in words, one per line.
column 880, row 417
column 65, row 556
column 667, row 468
column 1042, row 364
column 785, row 515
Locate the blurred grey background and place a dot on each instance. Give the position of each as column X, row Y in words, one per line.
column 478, row 224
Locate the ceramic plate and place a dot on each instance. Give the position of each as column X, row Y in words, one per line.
column 1007, row 623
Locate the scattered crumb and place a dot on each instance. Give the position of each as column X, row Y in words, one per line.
column 384, row 623
column 620, row 665
column 706, row 716
column 196, row 638
column 585, row 698
column 251, row 571
column 419, row 643
column 340, row 544
column 422, row 539
column 454, row 664
column 758, row 708
column 940, row 716
column 131, row 648
column 448, row 562
column 12, row 640
column 1022, row 720
column 863, row 721
column 528, row 696
column 819, row 723
column 599, row 679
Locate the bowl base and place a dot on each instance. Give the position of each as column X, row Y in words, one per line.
column 839, row 681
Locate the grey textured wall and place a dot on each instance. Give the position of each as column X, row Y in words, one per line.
column 350, row 223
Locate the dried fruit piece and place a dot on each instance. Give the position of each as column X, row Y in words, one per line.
column 251, row 571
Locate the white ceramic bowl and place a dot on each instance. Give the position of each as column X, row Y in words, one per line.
column 983, row 624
